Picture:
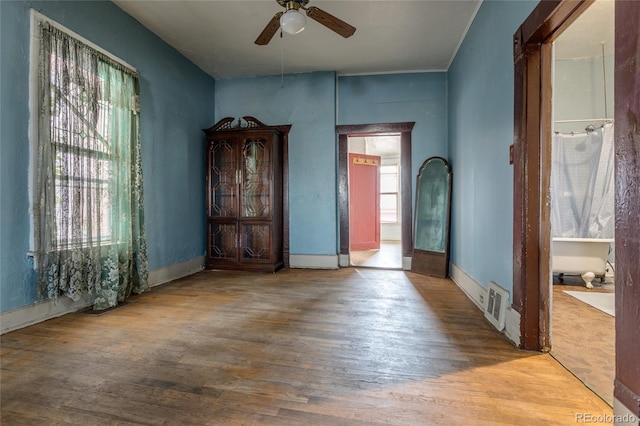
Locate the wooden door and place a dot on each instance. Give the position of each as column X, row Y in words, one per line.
column 364, row 201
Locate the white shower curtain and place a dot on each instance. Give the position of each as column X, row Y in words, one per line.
column 582, row 184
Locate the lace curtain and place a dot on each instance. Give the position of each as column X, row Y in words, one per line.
column 582, row 184
column 88, row 206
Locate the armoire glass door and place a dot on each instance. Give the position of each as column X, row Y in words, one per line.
column 222, row 179
column 222, row 175
column 256, row 199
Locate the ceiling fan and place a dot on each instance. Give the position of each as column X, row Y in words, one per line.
column 292, row 21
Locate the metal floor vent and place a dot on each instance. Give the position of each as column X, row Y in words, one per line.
column 496, row 308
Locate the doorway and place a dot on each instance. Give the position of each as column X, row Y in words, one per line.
column 379, row 137
column 374, row 202
column 582, row 199
column 532, row 156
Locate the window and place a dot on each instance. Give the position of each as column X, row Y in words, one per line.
column 389, row 193
column 88, row 109
column 84, row 161
column 86, row 170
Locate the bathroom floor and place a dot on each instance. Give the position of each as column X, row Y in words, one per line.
column 583, row 337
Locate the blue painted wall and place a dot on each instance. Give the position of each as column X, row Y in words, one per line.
column 480, row 132
column 307, row 102
column 176, row 103
column 465, row 115
column 391, row 98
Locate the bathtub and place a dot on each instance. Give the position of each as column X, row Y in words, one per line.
column 584, row 256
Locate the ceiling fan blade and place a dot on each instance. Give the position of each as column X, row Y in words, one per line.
column 331, row 22
column 269, row 31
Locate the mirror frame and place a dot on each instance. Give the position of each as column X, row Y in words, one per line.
column 429, row 262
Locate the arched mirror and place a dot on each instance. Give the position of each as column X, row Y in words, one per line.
column 432, row 217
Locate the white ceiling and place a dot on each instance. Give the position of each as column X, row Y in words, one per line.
column 391, row 36
column 589, row 33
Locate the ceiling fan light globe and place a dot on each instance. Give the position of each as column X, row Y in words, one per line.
column 292, row 22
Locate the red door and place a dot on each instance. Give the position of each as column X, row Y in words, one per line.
column 364, row 202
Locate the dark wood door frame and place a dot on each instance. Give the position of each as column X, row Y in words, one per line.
column 402, row 129
column 627, row 176
column 532, row 157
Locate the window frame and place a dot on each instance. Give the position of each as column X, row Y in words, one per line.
column 36, row 18
column 396, row 193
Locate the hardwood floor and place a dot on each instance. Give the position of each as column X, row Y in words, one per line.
column 389, row 256
column 350, row 346
column 583, row 338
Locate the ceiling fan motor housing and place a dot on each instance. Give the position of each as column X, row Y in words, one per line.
column 297, row 4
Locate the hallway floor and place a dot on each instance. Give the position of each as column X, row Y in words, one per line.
column 388, row 257
column 583, row 337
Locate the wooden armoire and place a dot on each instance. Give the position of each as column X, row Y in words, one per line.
column 246, row 199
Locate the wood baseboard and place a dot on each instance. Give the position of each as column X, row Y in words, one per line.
column 626, row 405
column 42, row 311
column 478, row 295
column 474, row 290
column 309, row 261
column 175, row 271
